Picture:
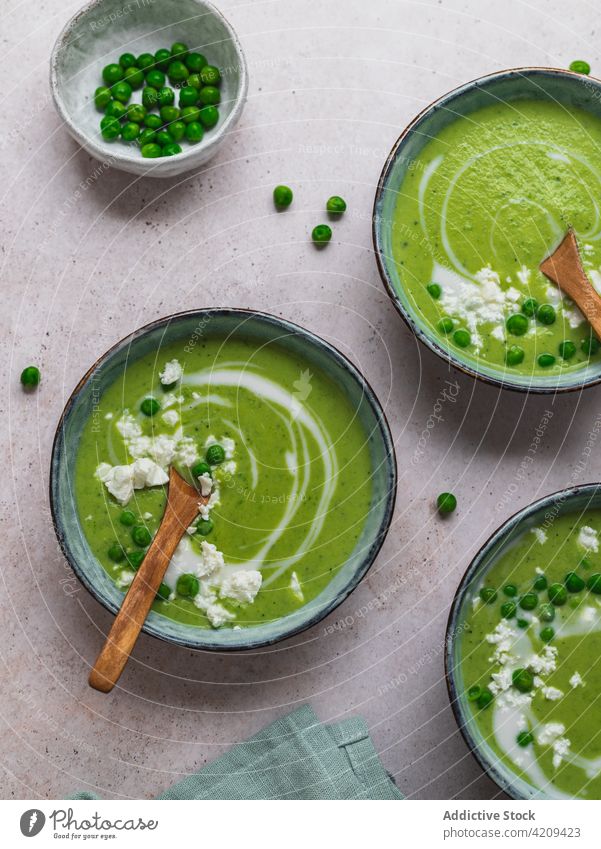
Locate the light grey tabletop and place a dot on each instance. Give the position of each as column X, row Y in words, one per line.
column 88, row 254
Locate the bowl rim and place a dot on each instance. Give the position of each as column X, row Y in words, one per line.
column 151, row 167
column 509, row 782
column 426, row 339
column 391, row 470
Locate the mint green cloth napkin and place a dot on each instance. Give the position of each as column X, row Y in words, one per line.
column 296, row 757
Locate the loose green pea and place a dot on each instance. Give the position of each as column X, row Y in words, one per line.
column 188, row 586
column 190, row 114
column 208, row 95
column 30, row 377
column 546, row 314
column 529, row 307
column 514, row 355
column 146, row 137
column 127, row 518
column 594, row 583
column 162, row 59
column 102, row 97
column 336, row 205
column 445, row 325
column 163, row 138
column 116, row 109
column 195, row 62
column 574, row 583
column 446, row 502
column 485, row 698
column 171, row 149
column 136, row 113
column 434, row 290
column 462, row 338
column 579, row 66
column 145, row 61
column 547, row 634
column 130, row 131
column 135, row 558
column 546, row 360
column 188, row 96
column 523, row 680
column 150, row 406
column 135, row 77
column 111, row 74
column 121, row 92
column 517, row 324
column 473, row 694
column 126, row 60
column 177, row 130
column 321, row 234
column 567, row 349
column 511, row 590
column 204, row 527
column 177, row 72
column 179, row 49
column 546, row 612
column 529, row 601
column 116, row 552
column 524, row 738
column 200, row 468
column 194, row 132
column 508, row 609
column 110, row 128
column 209, row 116
column 170, row 113
column 488, row 595
column 557, row 594
column 163, row 593
column 150, row 97
column 215, row 455
column 282, row 196
column 540, row 583
column 590, row 346
column 141, row 536
column 210, row 75
column 153, row 122
column 155, row 78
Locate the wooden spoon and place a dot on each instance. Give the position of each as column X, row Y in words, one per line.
column 565, row 269
column 183, row 503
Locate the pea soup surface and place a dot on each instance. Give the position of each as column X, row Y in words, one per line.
column 531, row 656
column 481, row 206
column 277, row 446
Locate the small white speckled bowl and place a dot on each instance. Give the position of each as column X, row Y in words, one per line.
column 104, row 29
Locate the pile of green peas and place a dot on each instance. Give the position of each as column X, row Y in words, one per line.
column 157, row 125
column 558, row 594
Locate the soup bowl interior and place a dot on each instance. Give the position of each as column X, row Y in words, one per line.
column 263, row 329
column 575, row 500
column 563, row 87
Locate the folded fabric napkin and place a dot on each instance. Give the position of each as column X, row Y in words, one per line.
column 296, row 757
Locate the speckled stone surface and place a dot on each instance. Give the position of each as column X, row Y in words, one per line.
column 89, row 253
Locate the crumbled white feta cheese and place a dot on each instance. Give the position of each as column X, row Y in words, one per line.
column 125, row 578
column 212, row 559
column 206, row 484
column 561, row 748
column 172, row 372
column 128, row 427
column 241, row 586
column 218, row 615
column 170, row 417
column 549, row 732
column 588, row 539
column 501, row 681
column 552, row 694
column 108, row 416
column 122, row 480
column 187, row 451
column 540, row 535
column 296, row 588
column 576, row 680
column 544, row 663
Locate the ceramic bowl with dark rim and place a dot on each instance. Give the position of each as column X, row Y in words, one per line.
column 262, row 328
column 564, row 87
column 104, row 29
column 574, row 500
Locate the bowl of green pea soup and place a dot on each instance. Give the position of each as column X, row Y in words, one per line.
column 281, row 433
column 478, row 190
column 149, row 88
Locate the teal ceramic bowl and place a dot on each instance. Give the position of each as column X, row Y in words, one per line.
column 574, row 500
column 262, row 328
column 553, row 84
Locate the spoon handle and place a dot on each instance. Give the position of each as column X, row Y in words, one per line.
column 564, row 268
column 182, row 506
